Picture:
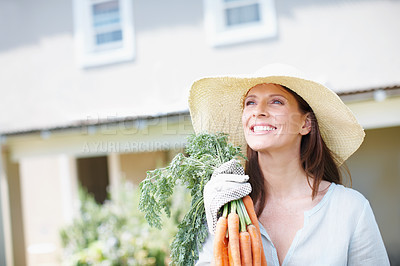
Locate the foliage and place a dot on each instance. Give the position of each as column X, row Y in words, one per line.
column 205, row 153
column 116, row 233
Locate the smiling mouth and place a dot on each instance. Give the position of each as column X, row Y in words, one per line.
column 262, row 129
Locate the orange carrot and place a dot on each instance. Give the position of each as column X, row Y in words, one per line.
column 233, row 228
column 245, row 249
column 248, row 203
column 225, row 254
column 220, row 232
column 230, row 259
column 255, row 244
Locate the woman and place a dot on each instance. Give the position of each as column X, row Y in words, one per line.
column 297, row 134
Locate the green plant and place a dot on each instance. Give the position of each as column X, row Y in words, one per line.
column 205, row 153
column 116, row 233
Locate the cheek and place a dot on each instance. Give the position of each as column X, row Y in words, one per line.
column 244, row 119
column 296, row 122
column 288, row 122
column 246, row 115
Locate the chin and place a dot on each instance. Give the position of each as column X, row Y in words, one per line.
column 257, row 146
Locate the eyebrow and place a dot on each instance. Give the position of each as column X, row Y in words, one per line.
column 271, row 95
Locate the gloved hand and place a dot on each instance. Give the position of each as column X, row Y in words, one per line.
column 228, row 182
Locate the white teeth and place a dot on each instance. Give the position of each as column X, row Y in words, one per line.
column 263, row 128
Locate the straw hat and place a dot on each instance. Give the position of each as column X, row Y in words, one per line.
column 216, row 105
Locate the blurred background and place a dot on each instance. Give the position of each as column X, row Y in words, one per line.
column 93, row 93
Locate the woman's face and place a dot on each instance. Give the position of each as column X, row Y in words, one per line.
column 271, row 119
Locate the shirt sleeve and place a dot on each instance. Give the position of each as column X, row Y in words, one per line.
column 206, row 253
column 366, row 245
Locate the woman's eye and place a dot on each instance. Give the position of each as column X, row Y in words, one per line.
column 249, row 103
column 276, row 101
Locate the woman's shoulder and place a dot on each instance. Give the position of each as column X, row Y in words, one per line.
column 348, row 197
column 345, row 204
column 348, row 193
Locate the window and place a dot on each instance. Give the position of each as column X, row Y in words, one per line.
column 104, row 31
column 235, row 21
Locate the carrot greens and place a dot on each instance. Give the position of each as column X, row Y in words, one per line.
column 205, row 152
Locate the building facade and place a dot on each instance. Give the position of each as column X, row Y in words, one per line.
column 95, row 91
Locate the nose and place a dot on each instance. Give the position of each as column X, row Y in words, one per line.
column 260, row 110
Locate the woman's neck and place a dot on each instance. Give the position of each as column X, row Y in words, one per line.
column 284, row 176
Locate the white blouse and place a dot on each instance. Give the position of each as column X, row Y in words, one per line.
column 340, row 230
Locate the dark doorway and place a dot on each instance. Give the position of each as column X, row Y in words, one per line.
column 93, row 175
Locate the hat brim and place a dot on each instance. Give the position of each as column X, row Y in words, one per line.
column 216, row 105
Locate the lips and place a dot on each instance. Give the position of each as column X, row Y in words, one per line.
column 258, row 128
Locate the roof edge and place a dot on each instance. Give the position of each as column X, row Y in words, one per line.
column 94, row 122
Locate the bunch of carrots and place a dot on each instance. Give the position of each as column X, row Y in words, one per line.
column 237, row 237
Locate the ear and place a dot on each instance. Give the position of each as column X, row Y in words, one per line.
column 306, row 128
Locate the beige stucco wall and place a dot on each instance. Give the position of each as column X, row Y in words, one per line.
column 48, row 187
column 135, row 165
column 12, row 215
column 375, row 170
column 125, row 137
column 373, row 114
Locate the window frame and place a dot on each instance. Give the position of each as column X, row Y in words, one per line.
column 91, row 55
column 218, row 34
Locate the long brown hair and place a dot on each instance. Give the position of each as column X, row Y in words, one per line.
column 316, row 159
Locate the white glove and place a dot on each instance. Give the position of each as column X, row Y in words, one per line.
column 228, row 182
